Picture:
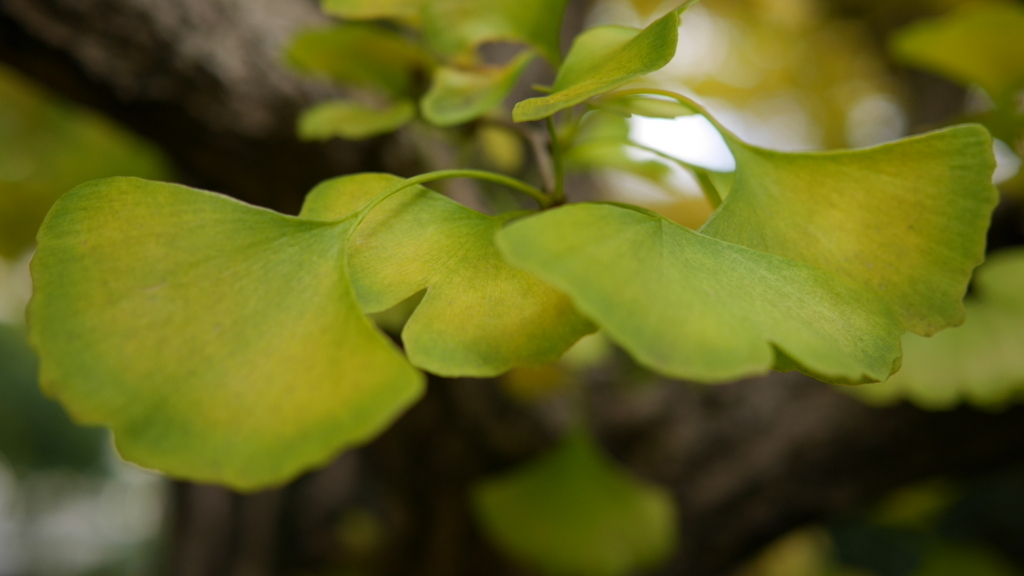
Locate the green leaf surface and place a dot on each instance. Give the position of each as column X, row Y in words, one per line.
column 458, row 96
column 979, row 43
column 455, row 28
column 480, row 316
column 906, row 219
column 576, row 512
column 404, row 10
column 220, row 342
column 602, row 59
column 361, row 54
column 353, row 120
column 981, row 362
column 698, row 308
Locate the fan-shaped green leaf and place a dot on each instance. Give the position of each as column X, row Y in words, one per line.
column 479, row 316
column 361, row 54
column 574, row 511
column 457, row 27
column 220, row 342
column 907, row 219
column 405, row 10
column 602, row 59
column 982, row 362
column 352, row 120
column 979, row 43
column 458, row 96
column 695, row 307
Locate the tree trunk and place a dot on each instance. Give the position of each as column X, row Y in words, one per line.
column 746, row 461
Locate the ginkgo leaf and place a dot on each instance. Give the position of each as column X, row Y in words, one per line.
column 907, row 219
column 456, row 28
column 480, row 316
column 698, row 308
column 220, row 342
column 404, row 10
column 575, row 511
column 602, row 59
column 979, row 43
column 353, row 120
column 981, row 362
column 458, row 96
column 361, row 54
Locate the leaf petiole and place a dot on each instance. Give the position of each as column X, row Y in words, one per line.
column 558, row 193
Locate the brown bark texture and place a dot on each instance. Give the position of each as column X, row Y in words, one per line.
column 747, row 461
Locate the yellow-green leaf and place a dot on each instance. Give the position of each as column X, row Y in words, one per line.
column 980, row 43
column 455, row 28
column 602, row 59
column 458, row 96
column 480, row 316
column 361, row 54
column 220, row 342
column 352, row 120
column 981, row 362
column 576, row 512
column 906, row 219
column 407, row 11
column 698, row 308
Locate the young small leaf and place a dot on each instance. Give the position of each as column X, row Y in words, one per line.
column 981, row 362
column 907, row 219
column 602, row 59
column 575, row 511
column 352, row 120
column 456, row 28
column 458, row 96
column 979, row 43
column 480, row 316
column 361, row 54
column 694, row 307
column 220, row 342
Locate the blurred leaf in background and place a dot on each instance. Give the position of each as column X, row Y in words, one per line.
column 576, row 512
column 35, row 433
column 48, row 147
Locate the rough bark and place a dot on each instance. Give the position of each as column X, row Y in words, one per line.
column 747, row 461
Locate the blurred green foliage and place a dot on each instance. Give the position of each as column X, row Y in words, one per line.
column 48, row 147
column 35, row 433
column 938, row 527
